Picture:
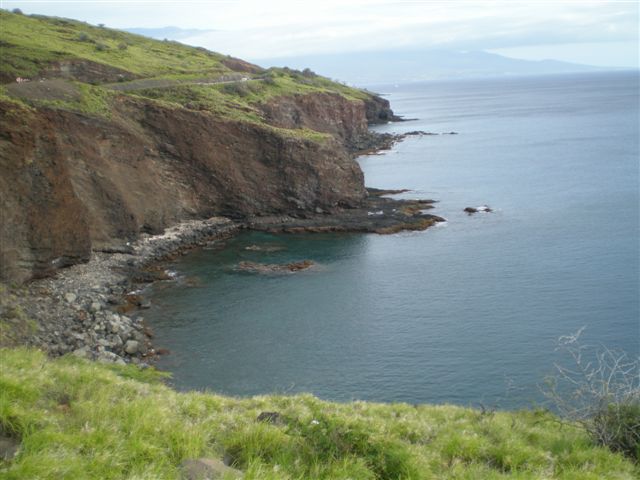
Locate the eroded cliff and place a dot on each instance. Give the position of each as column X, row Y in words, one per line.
column 72, row 183
column 186, row 134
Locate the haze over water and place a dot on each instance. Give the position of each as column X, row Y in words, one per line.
column 466, row 312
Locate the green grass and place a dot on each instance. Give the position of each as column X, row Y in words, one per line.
column 78, row 419
column 30, row 43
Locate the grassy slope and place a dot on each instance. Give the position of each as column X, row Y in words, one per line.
column 28, row 44
column 79, row 419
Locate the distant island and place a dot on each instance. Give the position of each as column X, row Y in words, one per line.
column 404, row 66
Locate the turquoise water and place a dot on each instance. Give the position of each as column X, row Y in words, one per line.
column 466, row 312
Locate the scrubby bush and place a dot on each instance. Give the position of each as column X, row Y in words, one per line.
column 17, row 11
column 307, row 72
column 101, row 47
column 84, row 37
column 269, row 80
column 600, row 392
column 237, row 88
column 122, row 46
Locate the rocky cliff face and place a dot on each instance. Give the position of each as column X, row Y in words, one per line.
column 72, row 183
column 331, row 113
column 378, row 110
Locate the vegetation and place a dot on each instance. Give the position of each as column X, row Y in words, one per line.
column 30, row 43
column 167, row 72
column 15, row 325
column 78, row 419
column 599, row 392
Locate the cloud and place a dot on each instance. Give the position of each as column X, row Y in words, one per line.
column 259, row 29
column 463, row 25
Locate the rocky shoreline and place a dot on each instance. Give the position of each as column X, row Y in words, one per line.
column 95, row 310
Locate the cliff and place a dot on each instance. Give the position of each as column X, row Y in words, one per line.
column 87, row 164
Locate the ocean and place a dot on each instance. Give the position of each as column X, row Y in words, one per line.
column 467, row 312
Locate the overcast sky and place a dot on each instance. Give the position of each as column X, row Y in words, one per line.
column 595, row 32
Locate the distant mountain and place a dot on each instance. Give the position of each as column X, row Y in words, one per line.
column 170, row 33
column 370, row 68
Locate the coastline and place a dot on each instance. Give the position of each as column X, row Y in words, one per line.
column 95, row 310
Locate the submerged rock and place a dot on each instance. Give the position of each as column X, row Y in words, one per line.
column 265, row 248
column 266, row 268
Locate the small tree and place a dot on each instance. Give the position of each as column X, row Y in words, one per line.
column 17, row 11
column 600, row 392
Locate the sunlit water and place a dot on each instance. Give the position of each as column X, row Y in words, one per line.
column 466, row 312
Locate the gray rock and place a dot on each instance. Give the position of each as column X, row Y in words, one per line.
column 70, row 297
column 207, row 469
column 82, row 352
column 115, row 341
column 95, row 307
column 131, row 347
column 108, row 357
column 270, row 417
column 9, row 447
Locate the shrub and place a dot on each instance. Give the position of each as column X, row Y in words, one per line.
column 17, row 11
column 269, row 80
column 83, row 37
column 122, row 46
column 236, row 88
column 101, row 47
column 600, row 392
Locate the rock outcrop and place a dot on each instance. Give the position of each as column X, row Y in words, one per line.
column 100, row 143
column 72, row 182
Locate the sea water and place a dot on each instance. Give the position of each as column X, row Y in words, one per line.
column 467, row 312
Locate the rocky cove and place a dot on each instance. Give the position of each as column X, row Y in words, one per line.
column 91, row 203
column 111, row 163
column 96, row 309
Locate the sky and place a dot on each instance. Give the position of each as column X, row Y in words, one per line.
column 603, row 33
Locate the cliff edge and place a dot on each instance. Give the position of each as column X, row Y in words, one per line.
column 121, row 134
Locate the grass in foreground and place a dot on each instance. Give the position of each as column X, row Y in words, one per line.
column 78, row 419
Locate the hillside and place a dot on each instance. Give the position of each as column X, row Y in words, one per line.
column 107, row 135
column 80, row 419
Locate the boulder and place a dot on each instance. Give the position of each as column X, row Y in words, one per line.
column 131, row 347
column 207, row 469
